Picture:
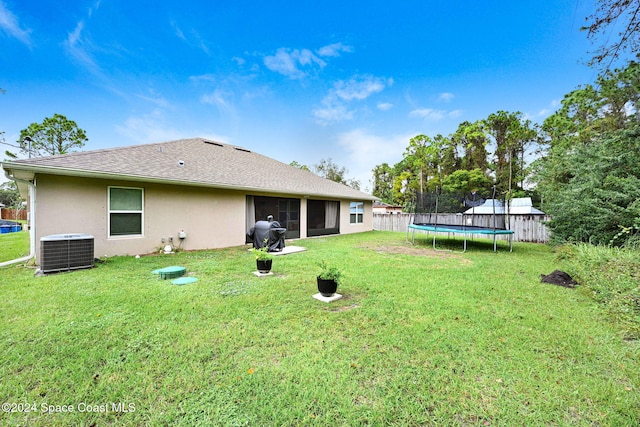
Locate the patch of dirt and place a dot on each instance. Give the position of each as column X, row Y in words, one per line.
column 559, row 278
column 415, row 250
column 345, row 308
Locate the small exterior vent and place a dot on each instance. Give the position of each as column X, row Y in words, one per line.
column 206, row 141
column 63, row 252
column 242, row 149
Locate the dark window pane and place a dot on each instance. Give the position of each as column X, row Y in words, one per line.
column 123, row 224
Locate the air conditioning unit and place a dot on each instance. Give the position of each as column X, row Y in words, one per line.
column 63, row 252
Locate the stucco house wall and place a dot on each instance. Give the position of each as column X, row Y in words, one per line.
column 211, row 218
column 206, row 188
column 346, row 227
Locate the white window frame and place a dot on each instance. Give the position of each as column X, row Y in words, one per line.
column 109, row 212
column 357, row 209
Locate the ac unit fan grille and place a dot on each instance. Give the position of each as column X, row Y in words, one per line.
column 63, row 252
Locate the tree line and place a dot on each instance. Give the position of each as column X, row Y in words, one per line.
column 586, row 169
column 478, row 154
column 589, row 173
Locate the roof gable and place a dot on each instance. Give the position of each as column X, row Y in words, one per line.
column 193, row 161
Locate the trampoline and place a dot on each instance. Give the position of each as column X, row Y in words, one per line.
column 468, row 215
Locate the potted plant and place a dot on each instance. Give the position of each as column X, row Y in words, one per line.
column 328, row 279
column 263, row 259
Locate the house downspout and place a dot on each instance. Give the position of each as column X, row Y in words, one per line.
column 32, row 231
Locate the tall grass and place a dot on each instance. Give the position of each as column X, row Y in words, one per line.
column 420, row 338
column 611, row 276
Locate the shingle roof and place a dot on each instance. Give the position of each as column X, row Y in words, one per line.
column 196, row 161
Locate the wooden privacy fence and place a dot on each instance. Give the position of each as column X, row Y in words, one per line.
column 526, row 228
column 530, row 228
column 11, row 214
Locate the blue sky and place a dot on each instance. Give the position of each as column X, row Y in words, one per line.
column 348, row 80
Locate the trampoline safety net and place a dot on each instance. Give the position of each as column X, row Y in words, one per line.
column 466, row 214
column 480, row 209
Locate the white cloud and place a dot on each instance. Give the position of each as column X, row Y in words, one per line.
column 435, row 115
column 446, row 97
column 178, row 31
column 255, row 92
column 358, row 88
column 156, row 99
column 334, row 49
column 200, row 43
column 543, row 113
column 428, row 114
column 384, row 106
column 150, row 127
column 79, row 47
column 533, row 117
column 306, row 57
column 11, row 26
column 95, row 7
column 194, row 39
column 332, row 111
column 203, row 77
column 153, row 127
column 366, row 151
column 219, row 98
column 74, row 37
column 298, row 63
column 290, row 62
column 454, row 114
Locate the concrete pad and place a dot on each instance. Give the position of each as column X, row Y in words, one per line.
column 332, row 298
column 286, row 251
column 289, row 250
column 257, row 273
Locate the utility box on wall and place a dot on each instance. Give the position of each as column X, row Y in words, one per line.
column 63, row 252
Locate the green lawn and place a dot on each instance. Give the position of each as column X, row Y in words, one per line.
column 421, row 338
column 14, row 245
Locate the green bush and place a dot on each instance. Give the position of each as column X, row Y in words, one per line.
column 602, row 197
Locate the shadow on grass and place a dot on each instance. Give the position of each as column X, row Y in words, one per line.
column 456, row 244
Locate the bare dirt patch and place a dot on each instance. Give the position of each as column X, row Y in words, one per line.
column 345, row 308
column 407, row 249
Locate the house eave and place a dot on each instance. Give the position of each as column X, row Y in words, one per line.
column 28, row 173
